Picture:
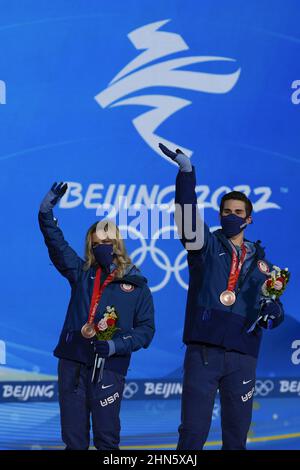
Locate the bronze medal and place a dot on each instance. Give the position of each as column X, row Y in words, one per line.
column 227, row 298
column 88, row 330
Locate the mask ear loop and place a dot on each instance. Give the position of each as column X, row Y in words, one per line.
column 251, row 221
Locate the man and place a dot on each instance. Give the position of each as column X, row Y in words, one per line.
column 224, row 302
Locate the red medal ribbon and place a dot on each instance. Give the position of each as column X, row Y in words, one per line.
column 97, row 293
column 236, row 266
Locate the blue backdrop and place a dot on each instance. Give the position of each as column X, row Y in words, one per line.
column 87, row 90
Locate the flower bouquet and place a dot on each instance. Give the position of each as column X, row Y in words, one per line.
column 276, row 284
column 105, row 330
column 106, row 327
column 272, row 289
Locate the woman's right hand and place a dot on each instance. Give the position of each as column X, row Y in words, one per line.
column 53, row 196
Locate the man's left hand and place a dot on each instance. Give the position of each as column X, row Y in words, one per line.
column 270, row 311
column 101, row 348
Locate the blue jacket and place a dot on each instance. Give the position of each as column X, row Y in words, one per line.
column 134, row 306
column 207, row 319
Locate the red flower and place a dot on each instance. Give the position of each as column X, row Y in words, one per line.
column 281, row 279
column 111, row 322
column 269, row 283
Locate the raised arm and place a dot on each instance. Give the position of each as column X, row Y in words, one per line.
column 64, row 258
column 193, row 232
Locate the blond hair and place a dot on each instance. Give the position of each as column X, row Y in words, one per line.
column 106, row 229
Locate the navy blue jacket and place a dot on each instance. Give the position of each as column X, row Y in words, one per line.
column 207, row 319
column 134, row 306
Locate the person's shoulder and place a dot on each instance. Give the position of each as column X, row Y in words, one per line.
column 260, row 251
column 135, row 275
column 256, row 247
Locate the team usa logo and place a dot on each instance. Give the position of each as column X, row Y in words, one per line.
column 127, row 287
column 248, row 395
column 263, row 266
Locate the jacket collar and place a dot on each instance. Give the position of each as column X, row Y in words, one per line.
column 132, row 276
column 260, row 252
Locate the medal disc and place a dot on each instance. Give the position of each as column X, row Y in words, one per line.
column 88, row 331
column 227, row 298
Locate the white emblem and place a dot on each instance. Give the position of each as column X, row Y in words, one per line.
column 144, row 72
column 106, row 386
column 263, row 266
column 127, row 287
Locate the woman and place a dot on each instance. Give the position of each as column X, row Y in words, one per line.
column 106, row 287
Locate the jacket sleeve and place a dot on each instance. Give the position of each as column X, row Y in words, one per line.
column 279, row 319
column 140, row 336
column 64, row 258
column 193, row 232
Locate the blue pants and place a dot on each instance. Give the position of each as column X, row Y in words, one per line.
column 207, row 369
column 80, row 399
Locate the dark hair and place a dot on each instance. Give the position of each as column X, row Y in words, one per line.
column 237, row 195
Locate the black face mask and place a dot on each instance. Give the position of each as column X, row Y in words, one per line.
column 232, row 225
column 104, row 255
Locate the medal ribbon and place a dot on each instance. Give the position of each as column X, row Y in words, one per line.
column 235, row 269
column 97, row 293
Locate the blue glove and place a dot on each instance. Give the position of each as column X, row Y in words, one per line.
column 52, row 197
column 270, row 312
column 179, row 157
column 104, row 348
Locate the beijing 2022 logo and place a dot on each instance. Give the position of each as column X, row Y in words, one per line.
column 145, row 72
